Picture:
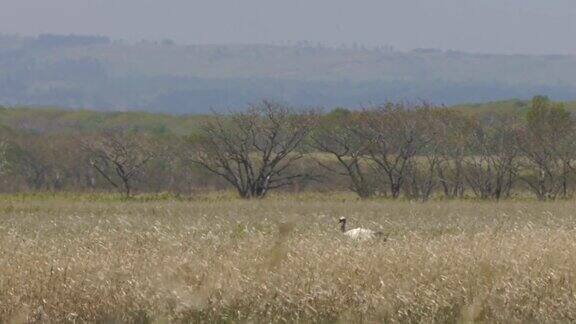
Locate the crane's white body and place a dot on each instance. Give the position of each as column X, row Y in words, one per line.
column 360, row 234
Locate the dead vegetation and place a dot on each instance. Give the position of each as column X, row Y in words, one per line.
column 282, row 259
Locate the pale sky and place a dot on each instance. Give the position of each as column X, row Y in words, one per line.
column 490, row 26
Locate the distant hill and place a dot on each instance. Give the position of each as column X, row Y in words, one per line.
column 99, row 73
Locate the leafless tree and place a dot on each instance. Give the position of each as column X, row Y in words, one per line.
column 254, row 150
column 545, row 143
column 5, row 159
column 4, row 163
column 118, row 157
column 491, row 164
column 341, row 137
column 29, row 161
column 424, row 170
column 453, row 132
column 395, row 140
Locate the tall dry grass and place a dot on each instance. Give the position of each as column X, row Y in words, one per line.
column 284, row 260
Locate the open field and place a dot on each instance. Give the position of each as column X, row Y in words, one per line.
column 283, row 259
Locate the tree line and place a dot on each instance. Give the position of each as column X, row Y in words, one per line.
column 394, row 150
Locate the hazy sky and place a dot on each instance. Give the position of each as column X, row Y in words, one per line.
column 498, row 26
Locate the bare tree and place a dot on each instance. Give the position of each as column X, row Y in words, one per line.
column 254, row 150
column 395, row 139
column 30, row 161
column 423, row 172
column 453, row 133
column 543, row 144
column 119, row 157
column 4, row 158
column 491, row 164
column 340, row 137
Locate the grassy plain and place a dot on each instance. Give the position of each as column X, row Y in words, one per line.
column 219, row 259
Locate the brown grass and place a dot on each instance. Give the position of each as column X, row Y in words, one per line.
column 284, row 260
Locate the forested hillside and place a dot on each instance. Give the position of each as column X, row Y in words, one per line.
column 99, row 73
column 59, row 120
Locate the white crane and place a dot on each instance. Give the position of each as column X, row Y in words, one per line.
column 359, row 233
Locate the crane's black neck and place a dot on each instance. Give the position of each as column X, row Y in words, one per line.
column 343, row 225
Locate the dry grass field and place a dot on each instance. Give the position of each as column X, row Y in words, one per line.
column 284, row 260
